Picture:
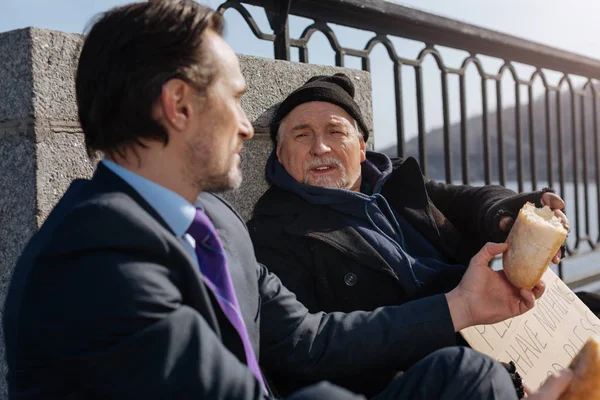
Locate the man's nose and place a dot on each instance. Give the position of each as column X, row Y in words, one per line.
column 246, row 128
column 319, row 147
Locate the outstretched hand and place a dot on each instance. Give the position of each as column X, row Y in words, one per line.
column 557, row 204
column 485, row 296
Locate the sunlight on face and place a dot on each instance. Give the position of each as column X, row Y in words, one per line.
column 318, row 145
column 220, row 126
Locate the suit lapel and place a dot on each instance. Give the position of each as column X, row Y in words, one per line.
column 197, row 294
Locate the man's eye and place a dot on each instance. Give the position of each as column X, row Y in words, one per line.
column 338, row 133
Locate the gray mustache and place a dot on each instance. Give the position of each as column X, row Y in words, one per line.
column 322, row 162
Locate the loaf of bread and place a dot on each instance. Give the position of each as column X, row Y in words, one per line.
column 534, row 239
column 586, row 371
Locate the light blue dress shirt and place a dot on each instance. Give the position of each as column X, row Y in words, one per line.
column 177, row 212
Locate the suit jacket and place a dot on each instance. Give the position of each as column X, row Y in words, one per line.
column 105, row 302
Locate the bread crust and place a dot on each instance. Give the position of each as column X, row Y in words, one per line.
column 586, row 368
column 531, row 246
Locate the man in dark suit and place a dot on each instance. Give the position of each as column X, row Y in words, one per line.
column 143, row 285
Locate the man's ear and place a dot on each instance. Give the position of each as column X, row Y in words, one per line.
column 173, row 106
column 279, row 139
column 363, row 149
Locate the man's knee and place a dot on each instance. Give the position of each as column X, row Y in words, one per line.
column 453, row 373
column 324, row 390
column 473, row 372
column 464, row 361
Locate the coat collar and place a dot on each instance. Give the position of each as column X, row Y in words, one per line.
column 319, row 222
column 406, row 192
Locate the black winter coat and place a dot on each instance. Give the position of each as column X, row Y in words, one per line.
column 331, row 267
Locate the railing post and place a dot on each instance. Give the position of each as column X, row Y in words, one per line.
column 279, row 23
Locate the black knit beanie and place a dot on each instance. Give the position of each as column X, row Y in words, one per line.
column 337, row 89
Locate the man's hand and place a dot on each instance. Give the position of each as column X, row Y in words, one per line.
column 485, row 296
column 554, row 386
column 551, row 200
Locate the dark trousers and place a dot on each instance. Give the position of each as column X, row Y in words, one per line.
column 454, row 373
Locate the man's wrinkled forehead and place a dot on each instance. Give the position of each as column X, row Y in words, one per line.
column 318, row 114
column 334, row 122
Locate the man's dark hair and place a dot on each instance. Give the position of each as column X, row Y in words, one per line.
column 129, row 53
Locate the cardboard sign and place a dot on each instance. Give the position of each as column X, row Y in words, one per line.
column 543, row 340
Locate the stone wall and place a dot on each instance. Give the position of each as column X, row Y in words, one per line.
column 41, row 143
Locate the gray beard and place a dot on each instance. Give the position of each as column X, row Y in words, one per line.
column 328, row 182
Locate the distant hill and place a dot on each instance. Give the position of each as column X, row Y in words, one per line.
column 435, row 142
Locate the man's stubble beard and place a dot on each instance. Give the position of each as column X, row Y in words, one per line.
column 200, row 171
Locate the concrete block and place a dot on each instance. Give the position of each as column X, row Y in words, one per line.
column 17, row 206
column 16, row 79
column 54, row 58
column 38, row 125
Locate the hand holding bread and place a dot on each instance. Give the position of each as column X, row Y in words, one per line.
column 556, row 204
column 485, row 296
column 534, row 239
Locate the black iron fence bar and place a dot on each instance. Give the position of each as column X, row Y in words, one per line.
column 574, row 153
column 278, row 19
column 532, row 147
column 518, row 138
column 333, row 42
column 500, row 134
column 559, row 145
column 421, row 120
column 584, row 150
column 464, row 144
column 401, row 141
column 446, row 116
column 234, row 4
column 397, row 20
column 596, row 151
column 487, row 160
column 549, row 158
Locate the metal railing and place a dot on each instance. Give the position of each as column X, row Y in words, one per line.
column 385, row 20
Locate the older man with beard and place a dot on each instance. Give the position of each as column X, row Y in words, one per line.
column 348, row 229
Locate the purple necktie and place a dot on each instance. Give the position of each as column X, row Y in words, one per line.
column 213, row 266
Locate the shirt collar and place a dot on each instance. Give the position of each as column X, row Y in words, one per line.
column 177, row 212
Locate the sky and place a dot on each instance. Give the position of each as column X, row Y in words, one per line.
column 566, row 24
